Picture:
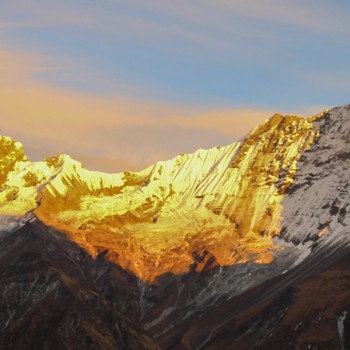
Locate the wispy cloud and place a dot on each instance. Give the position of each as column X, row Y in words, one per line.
column 66, row 82
column 32, row 13
column 328, row 80
column 205, row 22
column 115, row 131
column 314, row 14
column 16, row 66
column 177, row 50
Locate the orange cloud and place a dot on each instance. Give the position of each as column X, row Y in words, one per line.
column 110, row 133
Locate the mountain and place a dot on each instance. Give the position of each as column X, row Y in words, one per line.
column 243, row 246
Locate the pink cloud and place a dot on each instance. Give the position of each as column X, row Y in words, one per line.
column 101, row 130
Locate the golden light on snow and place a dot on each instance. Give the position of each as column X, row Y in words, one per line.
column 227, row 199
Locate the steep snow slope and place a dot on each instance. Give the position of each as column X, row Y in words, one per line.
column 314, row 233
column 226, row 199
column 319, row 201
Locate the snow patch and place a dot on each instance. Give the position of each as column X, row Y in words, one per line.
column 9, row 223
column 340, row 326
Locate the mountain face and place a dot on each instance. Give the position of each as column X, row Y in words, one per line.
column 223, row 198
column 223, row 248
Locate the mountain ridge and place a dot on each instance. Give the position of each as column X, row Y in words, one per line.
column 198, row 189
column 223, row 246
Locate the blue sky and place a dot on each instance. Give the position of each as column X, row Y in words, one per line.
column 194, row 57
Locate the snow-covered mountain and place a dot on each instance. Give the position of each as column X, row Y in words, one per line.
column 196, row 232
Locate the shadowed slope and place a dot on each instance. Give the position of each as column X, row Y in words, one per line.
column 53, row 295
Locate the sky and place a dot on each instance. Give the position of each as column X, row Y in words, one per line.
column 121, row 84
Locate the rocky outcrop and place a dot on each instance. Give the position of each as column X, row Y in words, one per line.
column 11, row 152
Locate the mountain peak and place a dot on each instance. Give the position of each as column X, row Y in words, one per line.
column 10, row 153
column 190, row 244
column 176, row 205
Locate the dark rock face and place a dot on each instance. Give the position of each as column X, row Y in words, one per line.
column 306, row 308
column 53, row 295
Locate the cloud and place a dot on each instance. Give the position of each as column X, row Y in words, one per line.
column 221, row 24
column 148, row 143
column 204, row 50
column 133, row 132
column 329, row 80
column 39, row 13
column 19, row 67
column 107, row 132
column 302, row 14
column 321, row 15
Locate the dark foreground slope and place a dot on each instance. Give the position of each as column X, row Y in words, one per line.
column 306, row 308
column 53, row 295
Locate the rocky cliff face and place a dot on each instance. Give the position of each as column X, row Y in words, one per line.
column 196, row 235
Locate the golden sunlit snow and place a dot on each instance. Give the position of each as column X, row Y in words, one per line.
column 214, row 199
